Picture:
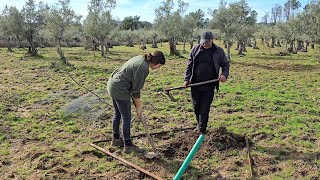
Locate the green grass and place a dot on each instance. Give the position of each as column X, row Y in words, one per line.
column 273, row 99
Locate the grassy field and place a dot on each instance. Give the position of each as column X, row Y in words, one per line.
column 274, row 100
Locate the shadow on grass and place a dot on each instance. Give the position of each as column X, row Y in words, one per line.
column 284, row 154
column 285, row 67
column 289, row 57
column 93, row 58
column 28, row 57
column 96, row 70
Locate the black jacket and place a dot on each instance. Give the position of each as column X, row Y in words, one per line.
column 218, row 57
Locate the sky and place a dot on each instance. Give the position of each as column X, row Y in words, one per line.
column 145, row 8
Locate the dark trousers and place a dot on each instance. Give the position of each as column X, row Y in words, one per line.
column 122, row 109
column 202, row 100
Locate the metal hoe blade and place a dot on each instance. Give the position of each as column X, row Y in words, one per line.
column 167, row 92
column 151, row 155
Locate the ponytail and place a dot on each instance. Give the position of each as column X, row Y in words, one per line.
column 148, row 57
column 157, row 57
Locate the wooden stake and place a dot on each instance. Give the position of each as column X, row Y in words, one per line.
column 249, row 157
column 126, row 162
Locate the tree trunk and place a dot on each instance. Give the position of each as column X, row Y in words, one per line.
column 19, row 41
column 272, row 42
column 9, row 45
column 294, row 48
column 228, row 50
column 102, row 50
column 278, row 43
column 312, row 45
column 9, row 49
column 191, row 44
column 107, row 47
column 240, row 48
column 154, row 43
column 300, row 46
column 199, row 38
column 129, row 42
column 173, row 50
column 59, row 51
column 143, row 45
column 32, row 49
column 244, row 49
column 307, row 44
column 184, row 46
column 238, row 45
column 268, row 43
column 93, row 46
column 290, row 49
column 68, row 43
column 249, row 42
column 255, row 44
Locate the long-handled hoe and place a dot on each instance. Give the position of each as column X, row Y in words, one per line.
column 148, row 155
column 167, row 91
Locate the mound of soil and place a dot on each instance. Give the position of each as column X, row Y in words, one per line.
column 215, row 140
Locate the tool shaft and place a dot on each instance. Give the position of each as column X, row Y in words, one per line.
column 194, row 84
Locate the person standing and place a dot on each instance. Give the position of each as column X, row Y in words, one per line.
column 125, row 83
column 204, row 63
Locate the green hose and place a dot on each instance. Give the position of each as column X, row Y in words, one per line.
column 187, row 161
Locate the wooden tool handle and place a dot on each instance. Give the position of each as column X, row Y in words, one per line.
column 194, row 84
column 148, row 135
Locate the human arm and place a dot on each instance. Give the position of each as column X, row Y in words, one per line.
column 188, row 72
column 138, row 104
column 224, row 64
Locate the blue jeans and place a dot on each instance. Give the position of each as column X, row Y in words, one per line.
column 122, row 109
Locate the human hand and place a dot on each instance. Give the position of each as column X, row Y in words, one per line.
column 139, row 111
column 185, row 84
column 222, row 78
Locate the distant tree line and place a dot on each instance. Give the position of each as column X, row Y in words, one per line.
column 39, row 25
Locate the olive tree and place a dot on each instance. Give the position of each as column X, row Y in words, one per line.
column 58, row 19
column 233, row 21
column 187, row 31
column 99, row 23
column 168, row 22
column 5, row 28
column 310, row 18
column 33, row 15
column 154, row 36
column 11, row 25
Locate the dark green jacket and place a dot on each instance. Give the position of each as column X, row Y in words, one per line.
column 129, row 79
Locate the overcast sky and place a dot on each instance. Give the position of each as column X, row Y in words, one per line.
column 145, row 8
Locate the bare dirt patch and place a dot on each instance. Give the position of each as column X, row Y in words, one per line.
column 216, row 140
